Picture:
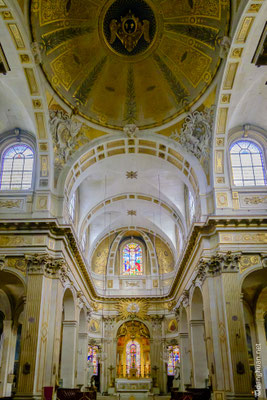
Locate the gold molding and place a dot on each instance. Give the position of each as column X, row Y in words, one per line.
column 230, row 76
column 244, row 30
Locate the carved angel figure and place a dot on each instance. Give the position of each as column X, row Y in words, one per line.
column 129, row 31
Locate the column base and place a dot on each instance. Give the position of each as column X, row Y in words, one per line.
column 27, row 396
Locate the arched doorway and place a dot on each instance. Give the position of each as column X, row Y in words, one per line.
column 12, row 292
column 69, row 341
column 133, row 350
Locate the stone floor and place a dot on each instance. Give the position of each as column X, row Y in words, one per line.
column 131, row 396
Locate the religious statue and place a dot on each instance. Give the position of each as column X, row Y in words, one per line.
column 177, row 377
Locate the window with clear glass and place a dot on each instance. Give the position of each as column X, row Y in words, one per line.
column 83, row 241
column 173, row 359
column 132, row 259
column 17, row 168
column 72, row 206
column 191, row 206
column 247, row 164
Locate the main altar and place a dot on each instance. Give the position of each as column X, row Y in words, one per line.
column 133, row 385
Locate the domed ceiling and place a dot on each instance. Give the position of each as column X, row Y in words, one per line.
column 120, row 62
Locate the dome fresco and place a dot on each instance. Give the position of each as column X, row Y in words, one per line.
column 125, row 62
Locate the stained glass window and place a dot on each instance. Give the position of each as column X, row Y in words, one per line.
column 93, row 359
column 17, row 167
column 247, row 164
column 72, row 206
column 133, row 358
column 132, row 259
column 173, row 359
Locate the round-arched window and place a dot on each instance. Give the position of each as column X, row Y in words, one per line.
column 17, row 168
column 132, row 257
column 247, row 164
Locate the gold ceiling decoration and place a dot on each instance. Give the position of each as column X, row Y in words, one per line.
column 136, row 308
column 120, row 62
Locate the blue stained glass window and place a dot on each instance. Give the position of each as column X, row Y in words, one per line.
column 132, row 259
column 173, row 359
column 133, row 357
column 247, row 164
column 93, row 359
column 17, row 168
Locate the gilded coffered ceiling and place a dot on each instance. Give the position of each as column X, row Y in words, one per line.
column 120, row 62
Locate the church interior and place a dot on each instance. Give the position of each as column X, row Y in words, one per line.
column 133, row 229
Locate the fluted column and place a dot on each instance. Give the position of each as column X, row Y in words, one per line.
column 225, row 329
column 38, row 326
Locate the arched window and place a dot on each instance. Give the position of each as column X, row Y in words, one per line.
column 93, row 358
column 191, row 206
column 247, row 164
column 17, row 168
column 133, row 357
column 132, row 259
column 72, row 205
column 173, row 359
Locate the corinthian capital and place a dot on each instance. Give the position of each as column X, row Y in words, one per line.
column 44, row 264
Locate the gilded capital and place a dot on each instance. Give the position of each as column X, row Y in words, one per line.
column 43, row 264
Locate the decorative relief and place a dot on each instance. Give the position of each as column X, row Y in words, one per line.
column 132, row 308
column 253, row 237
column 15, row 240
column 248, row 261
column 195, row 135
column 18, row 263
column 222, row 200
column 219, row 159
column 44, row 264
column 65, row 134
column 11, row 203
column 258, row 201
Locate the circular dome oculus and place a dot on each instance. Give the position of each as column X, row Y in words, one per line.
column 129, row 27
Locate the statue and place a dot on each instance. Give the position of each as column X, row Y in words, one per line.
column 177, row 377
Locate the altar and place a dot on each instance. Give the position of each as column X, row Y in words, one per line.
column 133, row 385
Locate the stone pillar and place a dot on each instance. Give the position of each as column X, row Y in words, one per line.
column 260, row 356
column 185, row 370
column 225, row 329
column 68, row 355
column 38, row 327
column 199, row 355
column 6, row 368
column 82, row 358
column 156, row 349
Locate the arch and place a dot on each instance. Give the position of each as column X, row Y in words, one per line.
column 187, row 167
column 17, row 166
column 132, row 257
column 197, row 305
column 68, row 305
column 247, row 163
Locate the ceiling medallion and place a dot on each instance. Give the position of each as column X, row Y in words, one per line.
column 129, row 26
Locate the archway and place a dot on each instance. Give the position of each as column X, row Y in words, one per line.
column 198, row 344
column 69, row 341
column 11, row 305
column 133, row 350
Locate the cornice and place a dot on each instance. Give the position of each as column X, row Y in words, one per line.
column 208, row 228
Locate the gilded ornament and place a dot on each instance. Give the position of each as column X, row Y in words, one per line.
column 255, row 200
column 10, row 203
column 248, row 261
column 129, row 31
column 132, row 309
